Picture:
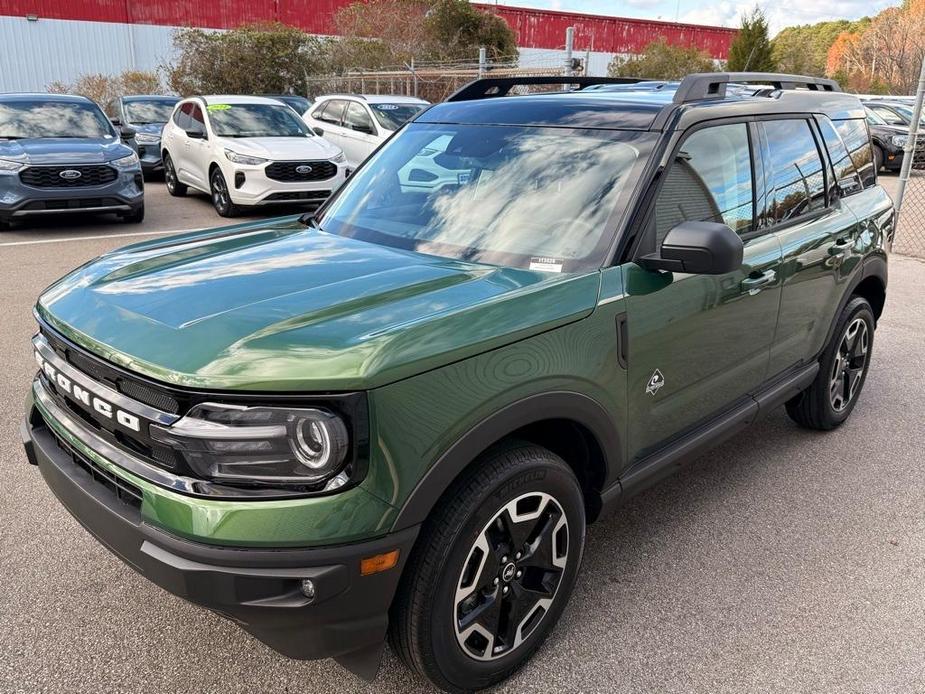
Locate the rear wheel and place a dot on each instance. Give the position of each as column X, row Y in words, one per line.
column 492, row 571
column 221, row 198
column 829, row 400
column 174, row 187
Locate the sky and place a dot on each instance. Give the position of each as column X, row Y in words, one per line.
column 780, row 13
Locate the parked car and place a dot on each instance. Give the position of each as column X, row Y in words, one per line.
column 61, row 154
column 894, row 112
column 299, row 104
column 359, row 123
column 888, row 141
column 146, row 115
column 398, row 414
column 247, row 151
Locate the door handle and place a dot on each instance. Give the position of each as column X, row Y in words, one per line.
column 756, row 281
column 840, row 246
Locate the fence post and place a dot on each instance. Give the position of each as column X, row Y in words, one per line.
column 569, row 45
column 912, row 140
column 483, row 61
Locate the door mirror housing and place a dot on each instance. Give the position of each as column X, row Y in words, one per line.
column 318, row 131
column 196, row 134
column 699, row 248
column 366, row 129
column 126, row 132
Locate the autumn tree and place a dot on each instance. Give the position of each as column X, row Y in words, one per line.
column 751, row 49
column 804, row 49
column 662, row 60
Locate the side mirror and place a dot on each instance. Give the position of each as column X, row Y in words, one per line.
column 196, row 134
column 699, row 248
column 126, row 132
column 318, row 131
column 367, row 129
column 115, row 121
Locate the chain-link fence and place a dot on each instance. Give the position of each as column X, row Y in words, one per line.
column 910, row 232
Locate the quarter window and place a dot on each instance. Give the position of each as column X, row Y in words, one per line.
column 710, row 180
column 797, row 177
column 845, row 174
column 856, row 137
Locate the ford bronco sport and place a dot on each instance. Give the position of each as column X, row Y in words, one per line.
column 396, row 416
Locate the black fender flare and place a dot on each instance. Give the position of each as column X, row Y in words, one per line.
column 568, row 405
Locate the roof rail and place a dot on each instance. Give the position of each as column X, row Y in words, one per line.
column 489, row 87
column 712, row 85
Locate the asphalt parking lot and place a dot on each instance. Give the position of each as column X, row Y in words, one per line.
column 784, row 561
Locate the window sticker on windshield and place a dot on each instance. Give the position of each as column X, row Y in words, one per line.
column 387, row 107
column 218, row 107
column 544, row 264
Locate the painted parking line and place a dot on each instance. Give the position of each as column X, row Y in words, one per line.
column 98, row 236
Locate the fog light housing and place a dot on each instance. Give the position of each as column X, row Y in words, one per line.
column 239, row 179
column 308, row 588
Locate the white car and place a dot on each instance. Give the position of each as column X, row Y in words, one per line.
column 358, row 123
column 246, row 151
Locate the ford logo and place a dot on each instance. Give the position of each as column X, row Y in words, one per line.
column 70, row 174
column 303, row 169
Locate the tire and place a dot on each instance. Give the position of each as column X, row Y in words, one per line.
column 174, row 187
column 878, row 158
column 463, row 561
column 5, row 225
column 830, row 399
column 136, row 216
column 221, row 197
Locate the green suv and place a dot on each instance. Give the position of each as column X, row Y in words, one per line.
column 397, row 416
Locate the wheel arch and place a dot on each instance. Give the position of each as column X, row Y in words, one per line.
column 573, row 426
column 870, row 282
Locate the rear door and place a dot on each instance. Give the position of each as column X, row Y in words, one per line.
column 699, row 344
column 816, row 231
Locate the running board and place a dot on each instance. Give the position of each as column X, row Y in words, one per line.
column 671, row 458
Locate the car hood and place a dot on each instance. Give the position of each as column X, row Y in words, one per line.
column 278, row 307
column 53, row 150
column 282, row 148
column 888, row 130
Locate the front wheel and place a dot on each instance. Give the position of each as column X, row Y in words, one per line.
column 829, row 400
column 492, row 571
column 221, row 197
column 136, row 216
column 878, row 158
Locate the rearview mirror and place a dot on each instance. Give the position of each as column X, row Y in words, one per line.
column 699, row 248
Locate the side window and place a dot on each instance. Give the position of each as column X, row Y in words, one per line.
column 358, row 119
column 197, row 121
column 182, row 116
column 710, row 180
column 797, row 177
column 334, row 111
column 888, row 114
column 856, row 137
column 844, row 173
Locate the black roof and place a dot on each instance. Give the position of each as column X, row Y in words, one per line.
column 629, row 104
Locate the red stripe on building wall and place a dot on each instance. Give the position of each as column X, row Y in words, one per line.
column 534, row 28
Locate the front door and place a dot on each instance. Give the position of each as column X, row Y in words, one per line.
column 359, row 137
column 697, row 344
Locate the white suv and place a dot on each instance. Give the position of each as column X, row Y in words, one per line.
column 358, row 123
column 247, row 150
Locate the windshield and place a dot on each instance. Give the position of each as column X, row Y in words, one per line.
column 518, row 196
column 393, row 116
column 299, row 103
column 144, row 112
column 255, row 120
column 33, row 119
column 873, row 117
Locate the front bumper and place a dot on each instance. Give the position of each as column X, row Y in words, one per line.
column 250, row 186
column 150, row 156
column 258, row 588
column 122, row 196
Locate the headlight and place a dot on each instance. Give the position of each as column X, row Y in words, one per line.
column 7, row 165
column 244, row 158
column 129, row 162
column 899, row 140
column 339, row 158
column 260, row 445
column 147, row 138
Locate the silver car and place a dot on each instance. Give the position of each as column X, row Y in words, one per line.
column 60, row 154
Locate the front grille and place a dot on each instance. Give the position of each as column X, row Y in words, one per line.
column 124, row 491
column 286, row 171
column 99, row 370
column 50, row 176
column 311, row 195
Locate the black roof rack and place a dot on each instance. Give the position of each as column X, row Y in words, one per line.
column 712, row 85
column 489, row 87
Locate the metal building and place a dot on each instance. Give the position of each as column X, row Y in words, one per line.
column 50, row 40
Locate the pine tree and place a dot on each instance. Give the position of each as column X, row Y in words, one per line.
column 751, row 49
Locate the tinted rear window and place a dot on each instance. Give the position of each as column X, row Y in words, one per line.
column 856, row 137
column 796, row 169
